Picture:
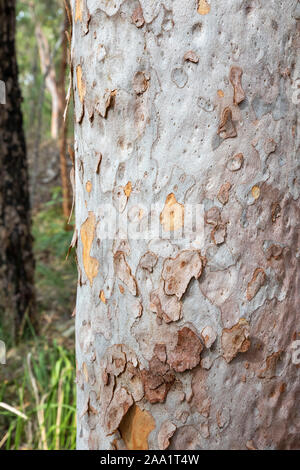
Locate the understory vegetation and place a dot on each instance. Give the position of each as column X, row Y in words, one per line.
column 37, row 387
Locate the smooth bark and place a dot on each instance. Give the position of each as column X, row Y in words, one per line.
column 185, row 342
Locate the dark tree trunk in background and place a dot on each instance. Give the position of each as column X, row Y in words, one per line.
column 17, row 296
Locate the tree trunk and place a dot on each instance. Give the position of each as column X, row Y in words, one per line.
column 48, row 69
column 63, row 128
column 186, row 116
column 16, row 257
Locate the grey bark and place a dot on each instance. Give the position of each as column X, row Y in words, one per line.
column 186, row 343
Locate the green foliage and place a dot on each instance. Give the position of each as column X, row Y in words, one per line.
column 50, row 15
column 51, row 408
column 55, row 276
column 51, row 414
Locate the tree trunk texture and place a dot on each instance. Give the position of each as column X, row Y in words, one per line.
column 48, row 69
column 16, row 256
column 182, row 342
column 63, row 127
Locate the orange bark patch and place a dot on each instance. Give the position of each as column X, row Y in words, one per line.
column 78, row 10
column 128, row 189
column 172, row 216
column 203, row 7
column 87, row 232
column 102, row 297
column 255, row 192
column 80, row 83
column 88, row 186
column 136, row 427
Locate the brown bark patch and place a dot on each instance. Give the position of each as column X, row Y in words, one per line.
column 158, row 379
column 209, row 336
column 105, row 102
column 120, row 404
column 236, row 162
column 235, row 78
column 138, row 17
column 191, row 56
column 274, row 251
column 257, row 281
column 223, row 194
column 140, row 83
column 213, row 216
column 269, row 371
column 186, row 354
column 218, row 234
column 148, row 261
column 123, row 272
column 235, row 339
column 178, row 272
column 166, row 307
column 164, row 435
column 227, row 128
column 185, row 438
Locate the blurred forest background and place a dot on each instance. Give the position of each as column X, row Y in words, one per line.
column 37, row 387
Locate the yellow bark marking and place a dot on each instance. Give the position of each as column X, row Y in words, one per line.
column 128, row 189
column 135, row 428
column 172, row 216
column 80, row 83
column 221, row 93
column 78, row 10
column 203, row 7
column 102, row 297
column 255, row 192
column 85, row 372
column 88, row 186
column 87, row 232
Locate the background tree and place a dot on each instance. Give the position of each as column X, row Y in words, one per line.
column 42, row 30
column 187, row 103
column 17, row 296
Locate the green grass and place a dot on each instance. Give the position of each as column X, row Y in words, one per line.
column 46, row 396
column 38, row 380
column 55, row 276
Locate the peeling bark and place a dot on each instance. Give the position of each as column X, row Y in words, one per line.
column 192, row 103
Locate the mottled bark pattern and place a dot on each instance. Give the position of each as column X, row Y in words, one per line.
column 187, row 102
column 16, row 257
